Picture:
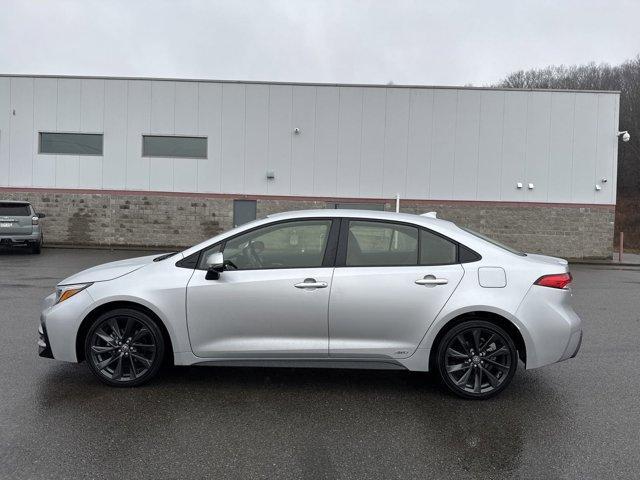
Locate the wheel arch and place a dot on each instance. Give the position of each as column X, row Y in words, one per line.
column 85, row 325
column 500, row 320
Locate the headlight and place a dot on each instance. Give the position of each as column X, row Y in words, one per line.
column 64, row 292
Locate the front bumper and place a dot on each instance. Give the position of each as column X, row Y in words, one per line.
column 44, row 348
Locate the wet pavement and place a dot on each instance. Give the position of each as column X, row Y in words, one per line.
column 577, row 419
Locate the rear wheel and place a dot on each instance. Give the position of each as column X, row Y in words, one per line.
column 124, row 348
column 477, row 359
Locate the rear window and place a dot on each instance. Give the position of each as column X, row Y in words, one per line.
column 494, row 242
column 15, row 210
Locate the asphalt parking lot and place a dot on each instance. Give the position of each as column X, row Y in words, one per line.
column 577, row 419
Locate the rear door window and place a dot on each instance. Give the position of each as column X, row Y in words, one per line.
column 14, row 210
column 381, row 244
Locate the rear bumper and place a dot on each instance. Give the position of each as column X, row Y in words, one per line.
column 553, row 329
column 16, row 240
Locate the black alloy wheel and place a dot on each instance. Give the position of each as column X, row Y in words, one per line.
column 124, row 348
column 477, row 359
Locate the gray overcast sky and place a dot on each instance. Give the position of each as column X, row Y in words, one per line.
column 412, row 42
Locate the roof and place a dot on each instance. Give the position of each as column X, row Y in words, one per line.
column 354, row 213
column 312, row 84
column 17, row 202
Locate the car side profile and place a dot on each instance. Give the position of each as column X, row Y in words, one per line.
column 322, row 288
column 20, row 225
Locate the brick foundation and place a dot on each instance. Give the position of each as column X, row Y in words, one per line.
column 171, row 220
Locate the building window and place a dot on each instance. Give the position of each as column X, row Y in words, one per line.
column 70, row 143
column 174, row 146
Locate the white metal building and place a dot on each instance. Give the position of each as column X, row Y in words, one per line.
column 353, row 141
column 266, row 140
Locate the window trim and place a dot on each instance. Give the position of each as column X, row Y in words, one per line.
column 341, row 258
column 328, row 259
column 46, row 132
column 158, row 135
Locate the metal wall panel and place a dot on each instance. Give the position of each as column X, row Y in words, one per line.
column 91, row 121
column 279, row 160
column 68, row 120
column 349, row 141
column 467, row 134
column 45, row 110
column 21, row 132
column 353, row 142
column 257, row 138
column 162, row 122
column 326, row 142
column 420, row 140
column 561, row 147
column 606, row 150
column 372, row 156
column 490, row 144
column 138, row 121
column 303, row 142
column 210, row 125
column 514, row 141
column 584, row 148
column 185, row 170
column 5, row 129
column 233, row 138
column 394, row 166
column 537, row 146
column 444, row 144
column 114, row 163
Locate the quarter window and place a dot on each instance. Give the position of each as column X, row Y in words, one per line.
column 436, row 250
column 70, row 143
column 381, row 244
column 174, row 146
column 283, row 245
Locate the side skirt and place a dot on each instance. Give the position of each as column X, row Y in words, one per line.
column 374, row 364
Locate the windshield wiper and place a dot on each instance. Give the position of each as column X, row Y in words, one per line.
column 164, row 257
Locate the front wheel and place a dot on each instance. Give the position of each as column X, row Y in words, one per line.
column 477, row 359
column 124, row 348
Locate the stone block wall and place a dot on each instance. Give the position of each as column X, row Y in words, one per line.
column 123, row 219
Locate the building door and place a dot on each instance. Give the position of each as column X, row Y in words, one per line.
column 244, row 211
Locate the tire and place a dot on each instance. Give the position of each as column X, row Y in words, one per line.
column 124, row 348
column 36, row 248
column 476, row 359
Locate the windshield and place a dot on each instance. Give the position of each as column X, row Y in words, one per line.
column 494, row 242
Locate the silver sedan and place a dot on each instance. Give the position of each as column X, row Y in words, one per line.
column 322, row 288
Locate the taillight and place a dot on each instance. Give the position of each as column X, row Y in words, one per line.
column 557, row 280
column 34, row 220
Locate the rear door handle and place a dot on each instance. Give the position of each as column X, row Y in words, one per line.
column 311, row 283
column 431, row 280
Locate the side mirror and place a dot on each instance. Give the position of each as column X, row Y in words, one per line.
column 215, row 264
column 40, row 215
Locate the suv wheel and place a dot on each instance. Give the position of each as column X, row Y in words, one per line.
column 36, row 248
column 476, row 359
column 124, row 348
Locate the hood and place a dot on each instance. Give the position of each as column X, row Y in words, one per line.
column 547, row 259
column 108, row 271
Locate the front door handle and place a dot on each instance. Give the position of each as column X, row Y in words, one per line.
column 431, row 280
column 311, row 283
